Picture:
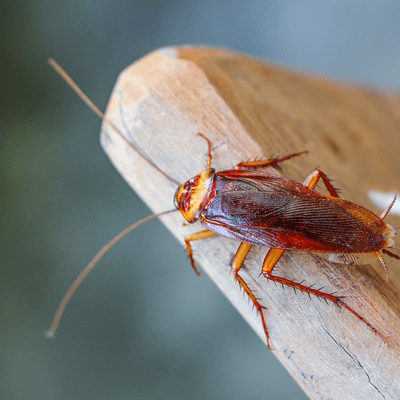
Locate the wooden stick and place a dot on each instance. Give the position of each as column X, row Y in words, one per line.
column 249, row 109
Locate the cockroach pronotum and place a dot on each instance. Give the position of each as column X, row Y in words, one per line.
column 259, row 208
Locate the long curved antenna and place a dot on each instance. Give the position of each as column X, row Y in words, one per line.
column 91, row 105
column 89, row 267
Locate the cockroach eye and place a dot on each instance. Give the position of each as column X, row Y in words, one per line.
column 176, row 199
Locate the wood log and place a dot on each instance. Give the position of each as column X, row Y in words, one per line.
column 251, row 109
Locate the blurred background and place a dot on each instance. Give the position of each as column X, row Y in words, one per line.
column 142, row 325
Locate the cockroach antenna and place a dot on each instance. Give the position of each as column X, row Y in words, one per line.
column 93, row 107
column 60, row 310
column 57, row 317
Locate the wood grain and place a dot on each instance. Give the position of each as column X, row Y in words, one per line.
column 251, row 109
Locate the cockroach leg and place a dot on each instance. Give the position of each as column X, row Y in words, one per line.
column 269, row 263
column 196, row 236
column 386, row 212
column 312, row 180
column 266, row 163
column 237, row 263
column 380, row 258
column 389, row 253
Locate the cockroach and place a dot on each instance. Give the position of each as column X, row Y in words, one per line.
column 258, row 208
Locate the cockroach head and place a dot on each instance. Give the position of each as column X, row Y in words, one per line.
column 191, row 197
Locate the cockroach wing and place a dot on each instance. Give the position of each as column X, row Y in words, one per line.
column 270, row 210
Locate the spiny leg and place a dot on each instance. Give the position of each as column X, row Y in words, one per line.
column 269, row 263
column 252, row 164
column 196, row 236
column 389, row 253
column 380, row 258
column 237, row 263
column 312, row 180
column 265, row 163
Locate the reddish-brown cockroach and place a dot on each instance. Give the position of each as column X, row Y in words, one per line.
column 258, row 208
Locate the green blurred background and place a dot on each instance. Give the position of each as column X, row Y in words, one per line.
column 142, row 326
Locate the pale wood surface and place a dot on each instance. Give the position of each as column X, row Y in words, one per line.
column 249, row 109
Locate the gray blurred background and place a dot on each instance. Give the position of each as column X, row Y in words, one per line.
column 142, row 326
